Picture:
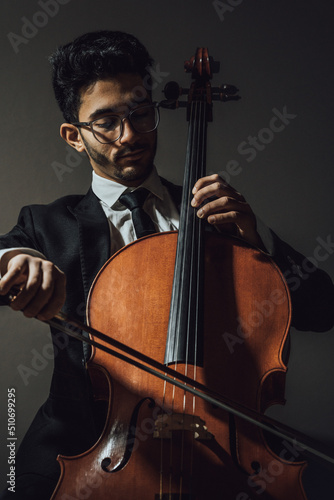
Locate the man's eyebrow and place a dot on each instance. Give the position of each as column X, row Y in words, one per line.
column 99, row 112
column 113, row 111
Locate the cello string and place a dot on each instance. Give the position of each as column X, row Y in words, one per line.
column 162, row 442
column 171, row 447
column 181, row 270
column 197, row 246
column 198, row 255
column 195, row 278
column 188, row 255
column 196, row 124
column 192, row 220
column 183, row 286
column 194, row 118
column 191, row 175
column 197, row 243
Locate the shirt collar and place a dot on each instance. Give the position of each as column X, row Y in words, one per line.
column 109, row 191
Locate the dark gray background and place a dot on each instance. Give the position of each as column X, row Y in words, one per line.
column 279, row 54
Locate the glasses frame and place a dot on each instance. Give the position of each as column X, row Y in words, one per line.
column 127, row 117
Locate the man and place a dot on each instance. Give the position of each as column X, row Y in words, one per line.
column 102, row 86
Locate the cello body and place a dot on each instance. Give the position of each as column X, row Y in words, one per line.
column 217, row 311
column 160, row 442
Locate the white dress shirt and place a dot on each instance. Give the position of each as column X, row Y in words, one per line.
column 159, row 206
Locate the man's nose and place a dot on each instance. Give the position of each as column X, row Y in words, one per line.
column 129, row 134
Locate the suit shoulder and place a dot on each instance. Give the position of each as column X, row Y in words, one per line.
column 55, row 206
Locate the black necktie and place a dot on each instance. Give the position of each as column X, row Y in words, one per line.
column 142, row 222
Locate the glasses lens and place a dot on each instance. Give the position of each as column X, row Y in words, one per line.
column 107, row 129
column 144, row 119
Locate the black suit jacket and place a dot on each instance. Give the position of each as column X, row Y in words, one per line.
column 73, row 233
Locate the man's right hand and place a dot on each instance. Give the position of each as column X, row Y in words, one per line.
column 41, row 284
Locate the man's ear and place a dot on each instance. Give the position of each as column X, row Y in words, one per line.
column 70, row 133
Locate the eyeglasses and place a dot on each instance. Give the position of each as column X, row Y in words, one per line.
column 109, row 129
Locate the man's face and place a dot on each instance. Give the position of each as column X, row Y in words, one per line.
column 129, row 160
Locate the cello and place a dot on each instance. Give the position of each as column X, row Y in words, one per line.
column 157, row 441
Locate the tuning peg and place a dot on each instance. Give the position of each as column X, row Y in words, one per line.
column 172, row 91
column 225, row 92
column 228, row 89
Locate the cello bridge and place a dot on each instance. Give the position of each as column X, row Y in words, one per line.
column 165, row 425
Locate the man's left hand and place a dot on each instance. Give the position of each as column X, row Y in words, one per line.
column 227, row 211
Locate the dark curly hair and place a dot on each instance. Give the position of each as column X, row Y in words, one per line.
column 92, row 57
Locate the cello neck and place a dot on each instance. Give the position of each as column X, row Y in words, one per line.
column 185, row 328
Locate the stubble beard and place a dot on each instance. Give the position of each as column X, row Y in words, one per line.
column 121, row 173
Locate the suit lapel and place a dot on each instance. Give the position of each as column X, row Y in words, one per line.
column 175, row 192
column 94, row 233
column 94, row 237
